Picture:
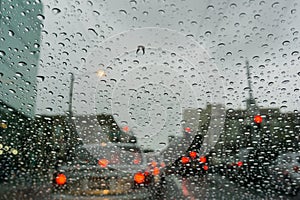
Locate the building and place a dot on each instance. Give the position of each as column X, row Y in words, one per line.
column 20, row 35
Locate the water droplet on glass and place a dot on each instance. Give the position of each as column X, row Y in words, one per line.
column 93, row 31
column 285, row 43
column 21, row 63
column 11, row 33
column 233, row 5
column 210, row 7
column 49, row 109
column 18, row 74
column 56, row 11
column 295, row 53
column 275, row 4
column 256, row 16
column 40, row 17
column 2, row 53
column 12, row 91
column 123, row 12
column 161, row 12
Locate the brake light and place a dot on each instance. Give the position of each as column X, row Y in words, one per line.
column 185, row 160
column 258, row 119
column 193, row 154
column 296, row 168
column 187, row 129
column 153, row 164
column 203, row 159
column 136, row 161
column 103, row 163
column 156, row 171
column 239, row 163
column 205, row 167
column 60, row 179
column 139, row 177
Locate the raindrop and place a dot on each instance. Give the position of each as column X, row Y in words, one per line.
column 56, row 11
column 293, row 11
column 298, row 73
column 21, row 63
column 2, row 53
column 96, row 12
column 275, row 4
column 161, row 12
column 12, row 91
column 162, row 143
column 233, row 5
column 242, row 14
column 11, row 33
column 285, row 81
column 49, row 109
column 295, row 53
column 256, row 16
column 207, row 33
column 210, row 7
column 123, row 12
column 18, row 74
column 133, row 2
column 93, row 31
column 40, row 17
column 285, row 43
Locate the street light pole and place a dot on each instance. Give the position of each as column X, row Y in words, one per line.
column 99, row 73
column 71, row 97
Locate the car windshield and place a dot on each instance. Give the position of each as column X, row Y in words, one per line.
column 178, row 99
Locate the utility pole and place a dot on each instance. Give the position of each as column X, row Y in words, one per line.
column 70, row 114
column 251, row 104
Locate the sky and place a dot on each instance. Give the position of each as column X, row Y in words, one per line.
column 194, row 53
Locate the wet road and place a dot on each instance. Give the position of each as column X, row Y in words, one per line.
column 211, row 186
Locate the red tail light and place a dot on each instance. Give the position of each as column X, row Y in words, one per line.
column 296, row 168
column 203, row 159
column 139, row 178
column 153, row 164
column 258, row 119
column 205, row 167
column 156, row 171
column 136, row 161
column 185, row 160
column 60, row 179
column 103, row 163
column 193, row 154
column 239, row 163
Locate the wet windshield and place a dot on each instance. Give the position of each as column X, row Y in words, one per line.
column 195, row 99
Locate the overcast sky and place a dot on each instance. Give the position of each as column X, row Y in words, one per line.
column 195, row 53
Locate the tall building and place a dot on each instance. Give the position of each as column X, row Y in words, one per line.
column 20, row 33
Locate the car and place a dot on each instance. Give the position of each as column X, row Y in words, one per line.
column 284, row 173
column 105, row 171
column 244, row 167
column 190, row 164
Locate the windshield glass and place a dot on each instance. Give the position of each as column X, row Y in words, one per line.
column 195, row 99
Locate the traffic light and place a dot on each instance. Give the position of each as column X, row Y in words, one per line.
column 258, row 120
